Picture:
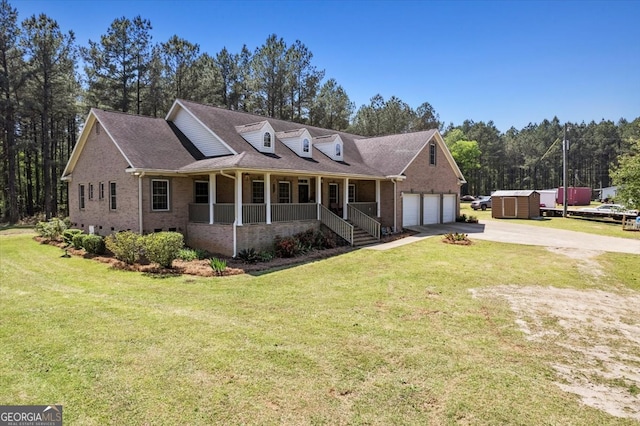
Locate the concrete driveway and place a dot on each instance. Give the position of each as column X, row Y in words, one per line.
column 505, row 232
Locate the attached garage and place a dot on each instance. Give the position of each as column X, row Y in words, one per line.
column 449, row 210
column 515, row 204
column 410, row 209
column 431, row 209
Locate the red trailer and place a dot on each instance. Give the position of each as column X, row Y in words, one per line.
column 577, row 196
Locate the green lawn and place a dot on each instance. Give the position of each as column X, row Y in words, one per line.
column 570, row 223
column 368, row 337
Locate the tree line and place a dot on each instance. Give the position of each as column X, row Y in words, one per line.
column 45, row 96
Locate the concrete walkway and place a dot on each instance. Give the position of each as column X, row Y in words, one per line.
column 505, row 232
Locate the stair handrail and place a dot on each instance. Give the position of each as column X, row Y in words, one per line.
column 364, row 221
column 336, row 224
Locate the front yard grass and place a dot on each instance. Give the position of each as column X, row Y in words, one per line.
column 368, row 337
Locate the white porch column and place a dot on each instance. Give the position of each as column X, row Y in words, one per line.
column 318, row 193
column 267, row 195
column 345, row 212
column 212, row 196
column 378, row 197
column 238, row 198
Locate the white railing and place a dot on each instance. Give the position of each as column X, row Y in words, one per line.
column 224, row 213
column 199, row 212
column 290, row 212
column 254, row 213
column 336, row 224
column 364, row 222
column 370, row 209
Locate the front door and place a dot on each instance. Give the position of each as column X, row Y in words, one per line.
column 303, row 193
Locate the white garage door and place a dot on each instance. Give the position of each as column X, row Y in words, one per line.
column 449, row 208
column 431, row 209
column 410, row 209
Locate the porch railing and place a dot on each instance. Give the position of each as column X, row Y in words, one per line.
column 290, row 212
column 370, row 209
column 253, row 213
column 336, row 224
column 364, row 222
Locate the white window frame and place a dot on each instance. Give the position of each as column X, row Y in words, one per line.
column 81, row 200
column 433, row 154
column 306, row 145
column 113, row 196
column 337, row 197
column 338, row 150
column 91, row 191
column 352, row 194
column 195, row 193
column 280, row 198
column 257, row 197
column 101, row 191
column 154, row 195
column 267, row 139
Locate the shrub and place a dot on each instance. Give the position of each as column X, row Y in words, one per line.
column 188, row 254
column 472, row 219
column 93, row 244
column 52, row 229
column 78, row 241
column 125, row 246
column 287, row 247
column 218, row 265
column 249, row 255
column 163, row 247
column 265, row 256
column 461, row 218
column 456, row 238
column 68, row 234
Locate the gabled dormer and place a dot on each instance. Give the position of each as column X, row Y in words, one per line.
column 260, row 135
column 299, row 141
column 331, row 145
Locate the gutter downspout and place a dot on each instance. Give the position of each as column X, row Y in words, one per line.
column 140, row 176
column 235, row 221
column 395, row 205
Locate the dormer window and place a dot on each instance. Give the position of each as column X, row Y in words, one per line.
column 267, row 140
column 305, row 145
column 260, row 135
column 338, row 150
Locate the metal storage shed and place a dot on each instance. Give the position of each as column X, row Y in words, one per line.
column 515, row 204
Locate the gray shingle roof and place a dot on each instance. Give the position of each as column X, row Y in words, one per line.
column 148, row 143
column 223, row 122
column 392, row 154
column 154, row 143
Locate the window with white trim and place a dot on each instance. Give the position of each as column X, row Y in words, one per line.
column 201, row 192
column 266, row 140
column 333, row 193
column 352, row 192
column 338, row 150
column 305, row 145
column 257, row 192
column 81, row 197
column 159, row 194
column 432, row 154
column 284, row 192
column 101, row 191
column 91, row 191
column 112, row 196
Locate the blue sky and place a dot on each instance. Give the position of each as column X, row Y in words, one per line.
column 513, row 62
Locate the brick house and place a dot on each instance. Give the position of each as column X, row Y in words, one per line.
column 229, row 180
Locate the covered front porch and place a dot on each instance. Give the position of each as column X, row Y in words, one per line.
column 251, row 198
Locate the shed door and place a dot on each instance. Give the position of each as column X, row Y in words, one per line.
column 449, row 208
column 509, row 207
column 410, row 209
column 431, row 209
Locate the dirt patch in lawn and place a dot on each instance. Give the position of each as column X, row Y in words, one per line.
column 595, row 335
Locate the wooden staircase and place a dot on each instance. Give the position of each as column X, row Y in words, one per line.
column 362, row 237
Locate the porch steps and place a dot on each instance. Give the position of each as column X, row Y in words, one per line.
column 362, row 237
